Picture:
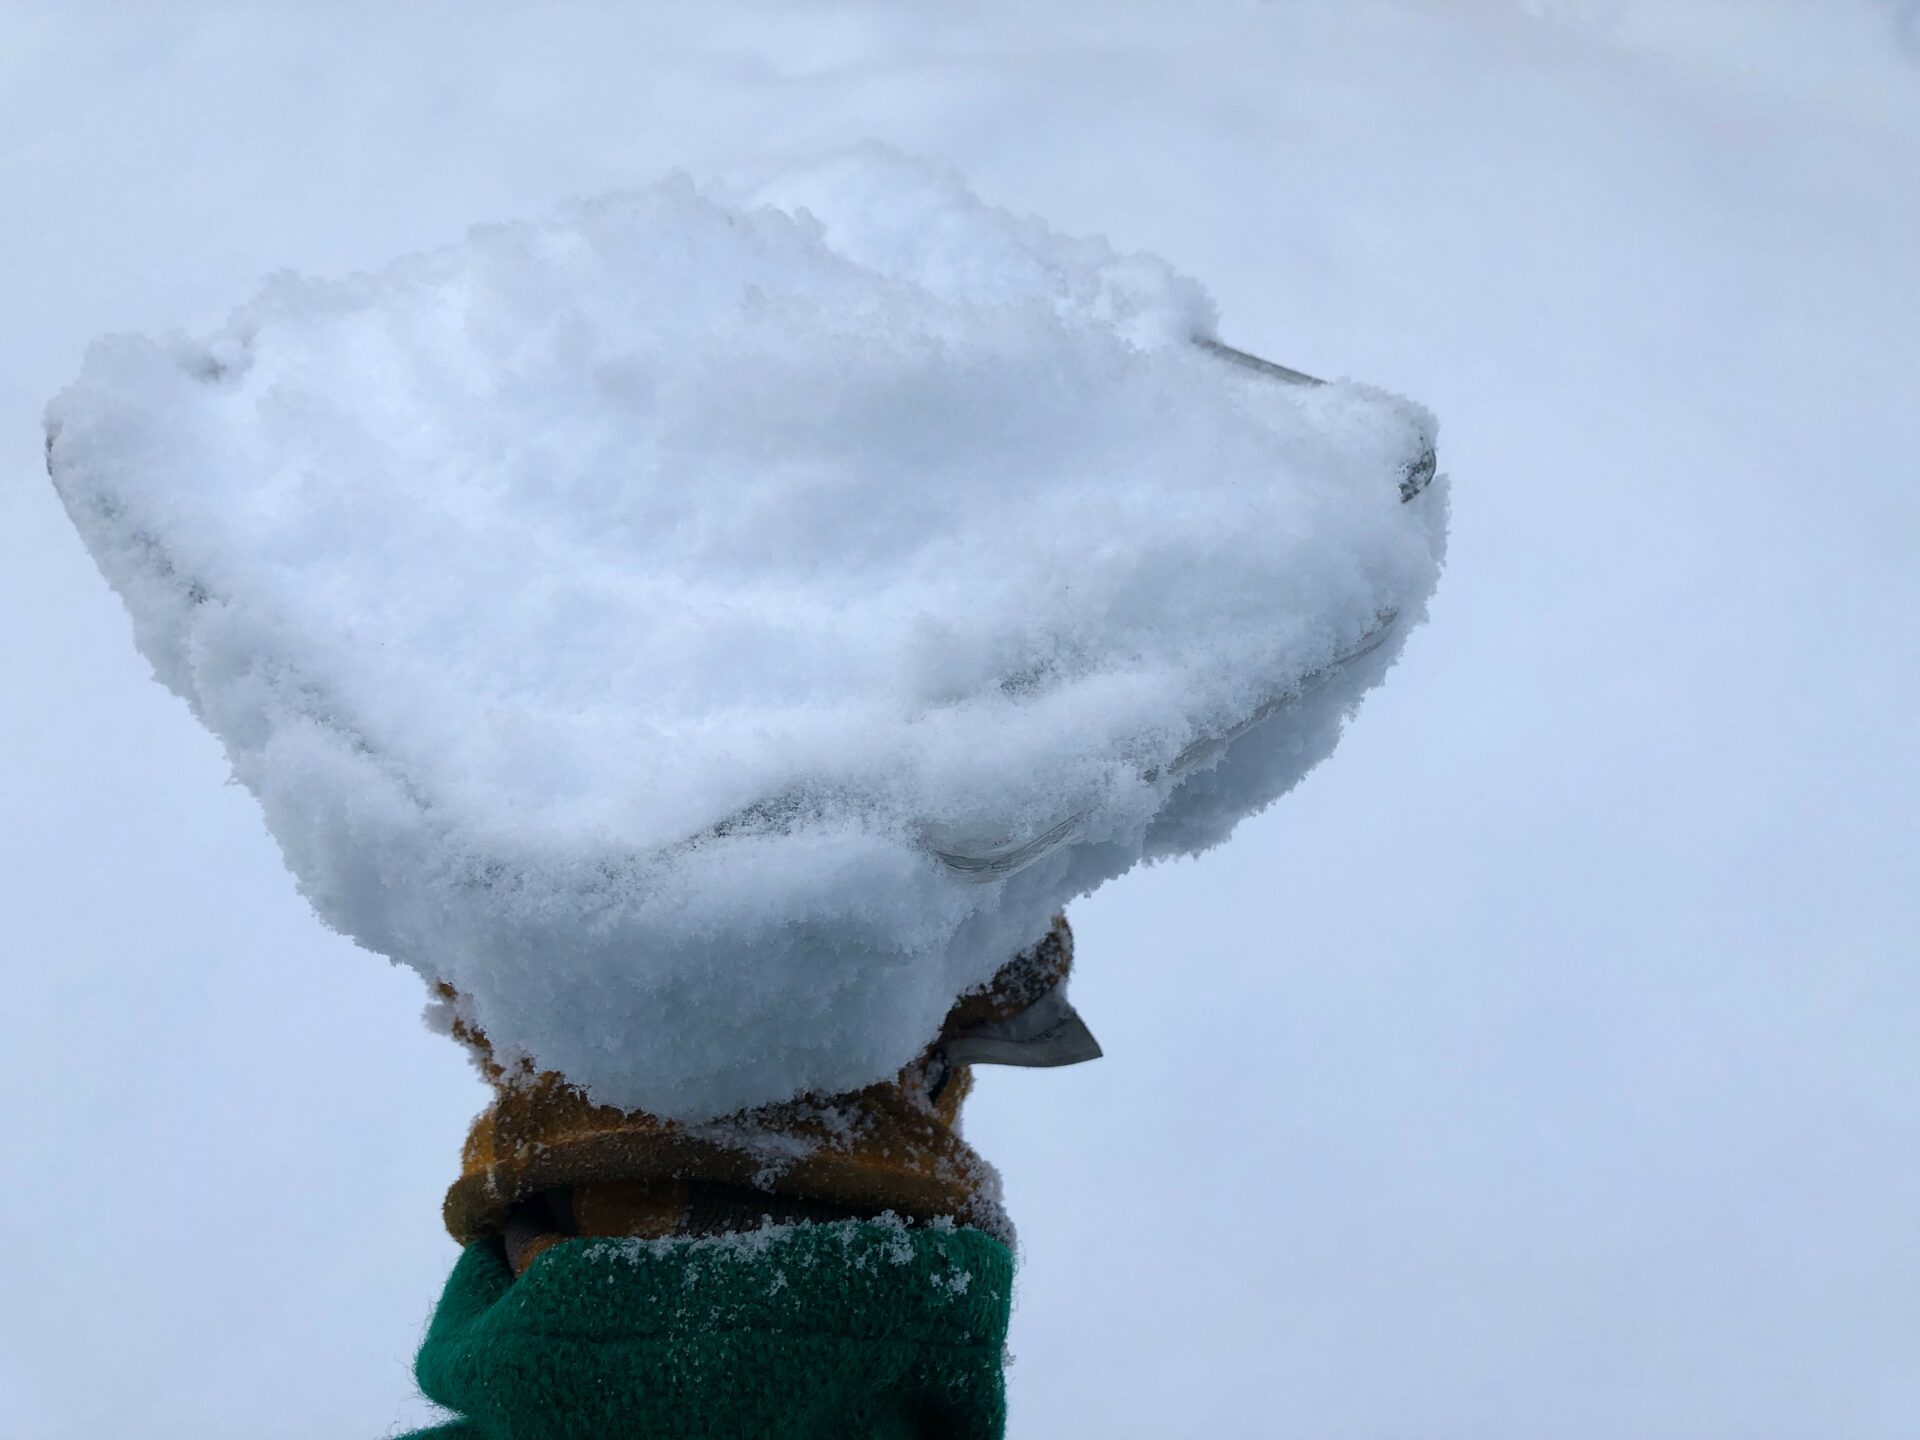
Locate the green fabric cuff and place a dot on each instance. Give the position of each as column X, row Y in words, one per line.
column 852, row 1330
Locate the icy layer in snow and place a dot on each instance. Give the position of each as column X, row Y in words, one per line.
column 714, row 627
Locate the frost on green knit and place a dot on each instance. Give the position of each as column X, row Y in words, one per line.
column 855, row 1330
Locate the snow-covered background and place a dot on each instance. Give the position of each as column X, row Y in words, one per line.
column 1549, row 1063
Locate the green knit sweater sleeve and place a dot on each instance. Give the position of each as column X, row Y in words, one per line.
column 853, row 1330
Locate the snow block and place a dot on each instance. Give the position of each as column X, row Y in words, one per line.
column 713, row 627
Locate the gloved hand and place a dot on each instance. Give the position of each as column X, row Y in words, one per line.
column 621, row 1278
column 544, row 1162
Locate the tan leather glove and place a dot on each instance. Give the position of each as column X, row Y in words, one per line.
column 544, row 1162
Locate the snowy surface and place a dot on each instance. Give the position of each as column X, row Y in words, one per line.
column 1545, row 1064
column 713, row 631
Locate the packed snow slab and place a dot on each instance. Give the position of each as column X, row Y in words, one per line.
column 714, row 627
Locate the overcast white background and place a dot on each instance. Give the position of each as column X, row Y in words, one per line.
column 1548, row 1064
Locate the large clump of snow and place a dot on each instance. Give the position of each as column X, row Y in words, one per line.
column 714, row 627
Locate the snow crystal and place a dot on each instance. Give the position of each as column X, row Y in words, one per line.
column 715, row 626
column 864, row 1245
column 955, row 1284
column 707, row 1256
column 888, row 1228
